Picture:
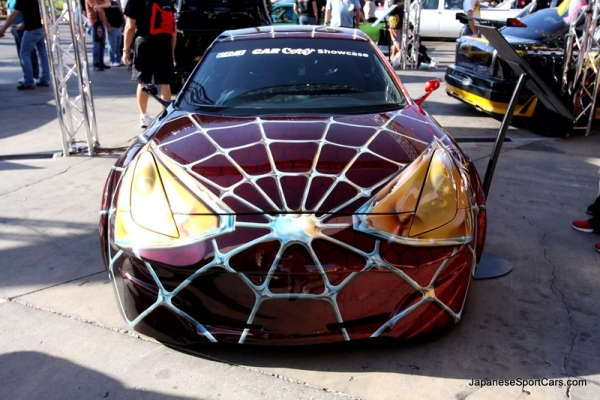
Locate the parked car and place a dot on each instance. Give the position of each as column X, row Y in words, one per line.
column 293, row 193
column 199, row 22
column 438, row 17
column 283, row 13
column 481, row 78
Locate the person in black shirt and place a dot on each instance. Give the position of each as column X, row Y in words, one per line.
column 396, row 20
column 33, row 39
column 153, row 50
column 307, row 12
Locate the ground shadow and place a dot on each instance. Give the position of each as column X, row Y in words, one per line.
column 45, row 253
column 35, row 375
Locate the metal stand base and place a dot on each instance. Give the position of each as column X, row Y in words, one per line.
column 492, row 266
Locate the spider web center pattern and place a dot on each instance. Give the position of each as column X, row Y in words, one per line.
column 293, row 226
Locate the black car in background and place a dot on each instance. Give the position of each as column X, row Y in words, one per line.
column 481, row 78
column 200, row 22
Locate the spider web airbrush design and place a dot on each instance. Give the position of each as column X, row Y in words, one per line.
column 289, row 221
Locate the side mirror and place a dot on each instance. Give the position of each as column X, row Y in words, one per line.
column 430, row 86
column 153, row 92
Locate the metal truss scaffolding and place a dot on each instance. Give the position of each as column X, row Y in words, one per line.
column 411, row 39
column 69, row 70
column 580, row 78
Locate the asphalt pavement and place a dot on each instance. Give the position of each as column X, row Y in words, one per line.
column 534, row 331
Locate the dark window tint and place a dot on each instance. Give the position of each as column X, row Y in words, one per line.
column 292, row 75
column 430, row 4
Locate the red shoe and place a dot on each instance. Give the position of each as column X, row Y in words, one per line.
column 583, row 226
column 25, row 87
column 597, row 247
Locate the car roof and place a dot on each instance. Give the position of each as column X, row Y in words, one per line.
column 295, row 31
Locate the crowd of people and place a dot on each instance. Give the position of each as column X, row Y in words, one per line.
column 131, row 32
column 108, row 22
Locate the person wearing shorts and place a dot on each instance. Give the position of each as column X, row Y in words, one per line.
column 395, row 20
column 153, row 55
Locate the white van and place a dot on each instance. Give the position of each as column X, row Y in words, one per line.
column 438, row 17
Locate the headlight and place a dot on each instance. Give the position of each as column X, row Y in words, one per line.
column 427, row 204
column 160, row 205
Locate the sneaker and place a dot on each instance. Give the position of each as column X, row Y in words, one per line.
column 98, row 68
column 25, row 87
column 22, row 80
column 42, row 84
column 105, row 66
column 597, row 247
column 116, row 64
column 583, row 226
column 145, row 120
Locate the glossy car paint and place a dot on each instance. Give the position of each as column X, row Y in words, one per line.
column 292, row 229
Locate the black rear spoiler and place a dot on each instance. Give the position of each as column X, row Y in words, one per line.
column 464, row 19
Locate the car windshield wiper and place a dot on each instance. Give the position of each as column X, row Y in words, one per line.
column 196, row 95
column 325, row 88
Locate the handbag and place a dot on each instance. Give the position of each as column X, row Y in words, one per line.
column 114, row 15
column 383, row 38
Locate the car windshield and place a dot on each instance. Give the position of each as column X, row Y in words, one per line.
column 291, row 76
column 541, row 25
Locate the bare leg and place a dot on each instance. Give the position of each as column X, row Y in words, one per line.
column 395, row 50
column 142, row 99
column 165, row 92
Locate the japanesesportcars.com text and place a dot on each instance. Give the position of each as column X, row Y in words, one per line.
column 528, row 382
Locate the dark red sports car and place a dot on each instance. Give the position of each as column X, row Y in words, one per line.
column 293, row 193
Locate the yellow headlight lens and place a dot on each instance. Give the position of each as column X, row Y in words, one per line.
column 149, row 205
column 437, row 205
column 159, row 205
column 426, row 204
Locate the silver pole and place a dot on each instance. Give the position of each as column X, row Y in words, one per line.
column 68, row 61
column 411, row 41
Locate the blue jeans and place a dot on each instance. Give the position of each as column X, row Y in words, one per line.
column 307, row 20
column 34, row 40
column 114, row 45
column 98, row 46
column 18, row 34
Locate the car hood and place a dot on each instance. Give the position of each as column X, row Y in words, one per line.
column 275, row 165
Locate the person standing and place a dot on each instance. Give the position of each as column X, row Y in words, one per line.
column 369, row 11
column 343, row 13
column 153, row 48
column 17, row 29
column 307, row 11
column 33, row 39
column 395, row 22
column 116, row 20
column 96, row 19
column 473, row 10
column 591, row 225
